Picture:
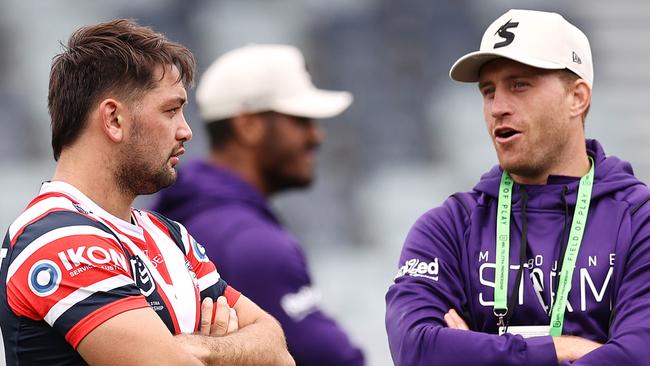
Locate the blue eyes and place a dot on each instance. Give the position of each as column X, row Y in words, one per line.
column 515, row 86
column 519, row 84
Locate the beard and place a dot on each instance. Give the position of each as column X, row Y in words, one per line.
column 137, row 173
column 537, row 158
column 278, row 172
column 278, row 179
column 280, row 165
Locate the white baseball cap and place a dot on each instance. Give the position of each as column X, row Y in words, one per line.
column 260, row 78
column 535, row 38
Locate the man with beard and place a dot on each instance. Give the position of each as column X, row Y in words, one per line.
column 85, row 278
column 259, row 105
column 547, row 260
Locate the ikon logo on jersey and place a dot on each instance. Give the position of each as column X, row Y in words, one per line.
column 44, row 278
column 91, row 256
column 142, row 276
column 415, row 268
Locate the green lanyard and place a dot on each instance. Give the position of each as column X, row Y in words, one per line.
column 504, row 207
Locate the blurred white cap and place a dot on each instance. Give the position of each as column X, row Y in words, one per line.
column 535, row 38
column 260, row 78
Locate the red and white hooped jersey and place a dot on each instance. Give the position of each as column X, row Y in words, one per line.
column 66, row 266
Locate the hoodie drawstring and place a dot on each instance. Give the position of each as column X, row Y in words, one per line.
column 523, row 247
column 563, row 244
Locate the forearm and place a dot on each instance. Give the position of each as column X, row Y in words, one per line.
column 629, row 348
column 444, row 346
column 567, row 348
column 416, row 342
column 570, row 348
column 260, row 343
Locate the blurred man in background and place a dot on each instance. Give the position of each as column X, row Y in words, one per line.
column 84, row 277
column 259, row 106
column 547, row 259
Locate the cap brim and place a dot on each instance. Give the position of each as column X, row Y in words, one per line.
column 315, row 103
column 467, row 68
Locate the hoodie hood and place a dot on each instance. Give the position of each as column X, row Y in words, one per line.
column 612, row 175
column 201, row 186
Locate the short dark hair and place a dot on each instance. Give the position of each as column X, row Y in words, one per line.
column 220, row 133
column 118, row 57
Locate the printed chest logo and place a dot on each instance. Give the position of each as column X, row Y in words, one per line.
column 44, row 278
column 590, row 282
column 142, row 276
column 505, row 34
column 415, row 268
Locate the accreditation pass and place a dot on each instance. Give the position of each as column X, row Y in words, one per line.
column 526, row 331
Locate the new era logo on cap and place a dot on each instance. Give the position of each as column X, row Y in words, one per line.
column 576, row 58
column 535, row 38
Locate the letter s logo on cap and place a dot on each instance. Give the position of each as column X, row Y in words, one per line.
column 503, row 33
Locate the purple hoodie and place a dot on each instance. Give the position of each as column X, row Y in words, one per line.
column 448, row 261
column 258, row 257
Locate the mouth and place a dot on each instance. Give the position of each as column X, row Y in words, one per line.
column 505, row 134
column 175, row 157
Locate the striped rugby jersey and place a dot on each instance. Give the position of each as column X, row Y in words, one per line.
column 66, row 266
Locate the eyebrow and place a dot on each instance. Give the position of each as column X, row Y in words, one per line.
column 518, row 75
column 176, row 100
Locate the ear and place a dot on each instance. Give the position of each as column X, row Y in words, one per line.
column 111, row 120
column 581, row 94
column 249, row 129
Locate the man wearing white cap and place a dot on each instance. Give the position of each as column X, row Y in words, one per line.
column 547, row 260
column 259, row 105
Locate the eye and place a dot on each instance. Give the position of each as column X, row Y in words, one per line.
column 487, row 92
column 520, row 85
column 173, row 111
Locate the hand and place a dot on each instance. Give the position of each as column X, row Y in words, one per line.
column 454, row 321
column 571, row 348
column 220, row 321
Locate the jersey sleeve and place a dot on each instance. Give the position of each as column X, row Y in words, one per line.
column 429, row 282
column 69, row 271
column 210, row 282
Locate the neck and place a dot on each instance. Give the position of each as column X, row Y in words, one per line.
column 94, row 178
column 571, row 160
column 577, row 167
column 242, row 164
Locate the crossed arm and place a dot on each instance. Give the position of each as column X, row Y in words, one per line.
column 245, row 335
column 567, row 348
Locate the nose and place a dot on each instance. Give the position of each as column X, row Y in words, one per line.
column 184, row 132
column 500, row 104
column 317, row 132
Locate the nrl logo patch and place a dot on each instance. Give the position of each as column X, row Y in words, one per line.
column 142, row 276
